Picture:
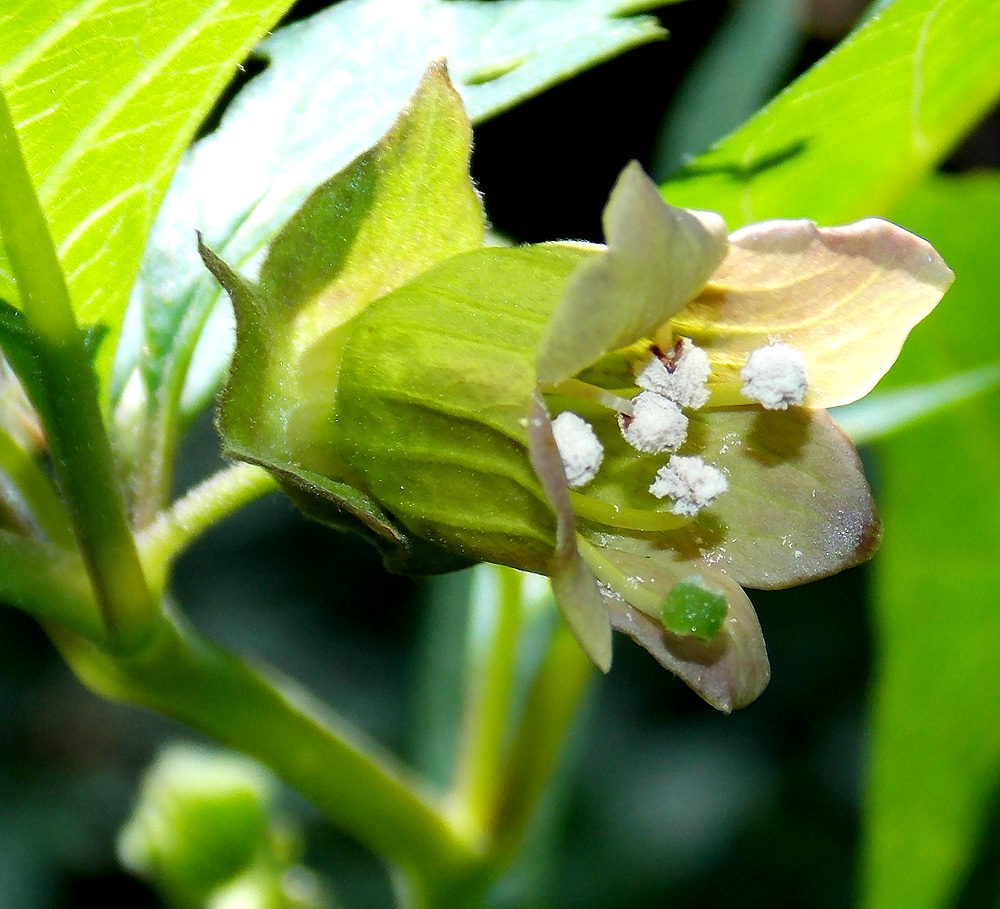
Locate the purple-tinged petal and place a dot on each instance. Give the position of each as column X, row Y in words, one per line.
column 573, row 585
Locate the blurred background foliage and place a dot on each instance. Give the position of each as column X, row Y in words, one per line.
column 855, row 756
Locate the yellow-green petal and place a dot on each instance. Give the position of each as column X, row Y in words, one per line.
column 844, row 297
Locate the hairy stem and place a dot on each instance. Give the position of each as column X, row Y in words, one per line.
column 197, row 511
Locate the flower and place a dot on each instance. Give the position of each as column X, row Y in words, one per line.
column 643, row 421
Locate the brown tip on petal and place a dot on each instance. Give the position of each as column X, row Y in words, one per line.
column 573, row 585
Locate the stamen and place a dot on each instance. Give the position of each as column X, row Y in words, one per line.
column 621, row 517
column 775, row 376
column 579, row 448
column 656, row 424
column 690, row 482
column 680, row 374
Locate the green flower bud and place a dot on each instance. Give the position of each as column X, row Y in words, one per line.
column 200, row 820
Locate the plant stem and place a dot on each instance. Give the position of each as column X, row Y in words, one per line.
column 362, row 790
column 49, row 583
column 492, row 665
column 550, row 708
column 82, row 456
column 198, row 510
column 47, row 509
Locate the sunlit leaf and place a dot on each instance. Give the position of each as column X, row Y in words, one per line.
column 328, row 93
column 106, row 95
column 935, row 751
column 853, row 134
column 657, row 259
column 844, row 297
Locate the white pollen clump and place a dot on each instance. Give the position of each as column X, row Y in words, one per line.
column 690, row 482
column 579, row 448
column 656, row 424
column 775, row 375
column 684, row 381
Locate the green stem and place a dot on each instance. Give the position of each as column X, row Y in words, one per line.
column 42, row 501
column 359, row 788
column 82, row 455
column 49, row 583
column 549, row 711
column 197, row 511
column 492, row 666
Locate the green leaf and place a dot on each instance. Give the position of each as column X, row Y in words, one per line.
column 658, row 258
column 935, row 754
column 106, row 95
column 325, row 97
column 740, row 69
column 882, row 413
column 852, row 135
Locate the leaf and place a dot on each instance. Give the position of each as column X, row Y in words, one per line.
column 852, row 135
column 740, row 68
column 881, row 414
column 658, row 258
column 935, row 751
column 329, row 92
column 844, row 297
column 106, row 95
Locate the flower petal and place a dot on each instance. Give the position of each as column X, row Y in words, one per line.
column 798, row 507
column 658, row 258
column 573, row 585
column 844, row 297
column 732, row 669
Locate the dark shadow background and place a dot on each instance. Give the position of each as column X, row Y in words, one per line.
column 669, row 803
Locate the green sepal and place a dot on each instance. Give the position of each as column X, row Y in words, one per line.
column 692, row 608
column 436, row 383
column 395, row 211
